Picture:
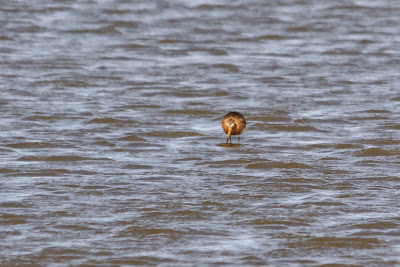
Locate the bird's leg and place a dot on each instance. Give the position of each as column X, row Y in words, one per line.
column 230, row 139
column 227, row 139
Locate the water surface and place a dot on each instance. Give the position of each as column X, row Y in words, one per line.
column 112, row 152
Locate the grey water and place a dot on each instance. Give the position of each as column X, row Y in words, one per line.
column 112, row 151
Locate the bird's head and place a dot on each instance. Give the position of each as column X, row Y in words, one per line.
column 231, row 124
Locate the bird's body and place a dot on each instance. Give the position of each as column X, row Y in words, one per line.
column 233, row 123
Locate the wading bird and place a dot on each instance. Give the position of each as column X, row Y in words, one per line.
column 233, row 123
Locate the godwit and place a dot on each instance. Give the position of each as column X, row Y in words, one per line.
column 233, row 123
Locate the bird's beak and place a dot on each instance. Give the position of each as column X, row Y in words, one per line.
column 229, row 132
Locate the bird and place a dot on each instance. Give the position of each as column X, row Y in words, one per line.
column 233, row 123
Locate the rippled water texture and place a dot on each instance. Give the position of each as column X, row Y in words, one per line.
column 112, row 151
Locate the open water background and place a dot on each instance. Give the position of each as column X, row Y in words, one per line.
column 112, row 153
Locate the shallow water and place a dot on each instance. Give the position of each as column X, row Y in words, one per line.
column 112, row 152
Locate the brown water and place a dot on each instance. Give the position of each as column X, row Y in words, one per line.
column 112, row 152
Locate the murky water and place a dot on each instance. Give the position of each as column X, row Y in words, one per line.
column 112, row 152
